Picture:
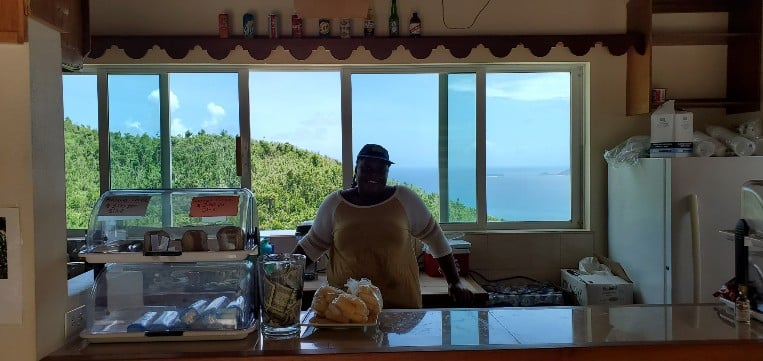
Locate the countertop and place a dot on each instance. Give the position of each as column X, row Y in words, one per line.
column 633, row 332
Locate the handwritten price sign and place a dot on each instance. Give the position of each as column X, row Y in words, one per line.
column 216, row 206
column 124, row 206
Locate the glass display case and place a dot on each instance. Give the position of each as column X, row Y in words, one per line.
column 172, row 225
column 138, row 302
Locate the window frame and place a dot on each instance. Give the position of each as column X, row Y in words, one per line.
column 579, row 115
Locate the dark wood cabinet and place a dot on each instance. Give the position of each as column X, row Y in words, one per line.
column 742, row 39
column 69, row 17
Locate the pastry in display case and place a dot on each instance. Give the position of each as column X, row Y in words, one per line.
column 172, row 225
column 172, row 301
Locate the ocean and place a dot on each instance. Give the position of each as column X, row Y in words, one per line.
column 513, row 194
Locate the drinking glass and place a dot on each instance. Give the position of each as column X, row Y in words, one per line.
column 280, row 286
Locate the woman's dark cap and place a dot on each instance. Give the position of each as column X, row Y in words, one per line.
column 374, row 151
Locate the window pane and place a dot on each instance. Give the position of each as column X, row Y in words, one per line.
column 204, row 123
column 528, row 146
column 81, row 147
column 134, row 131
column 296, row 144
column 462, row 152
column 400, row 112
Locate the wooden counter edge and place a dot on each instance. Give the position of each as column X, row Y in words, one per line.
column 674, row 351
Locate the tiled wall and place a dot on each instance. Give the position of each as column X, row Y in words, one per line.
column 536, row 255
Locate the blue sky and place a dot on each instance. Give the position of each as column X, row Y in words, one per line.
column 528, row 114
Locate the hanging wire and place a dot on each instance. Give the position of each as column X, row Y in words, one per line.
column 442, row 5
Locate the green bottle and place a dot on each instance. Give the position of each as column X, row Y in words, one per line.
column 394, row 20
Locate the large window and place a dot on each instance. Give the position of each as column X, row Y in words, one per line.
column 487, row 147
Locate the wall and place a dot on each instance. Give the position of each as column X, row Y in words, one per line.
column 31, row 154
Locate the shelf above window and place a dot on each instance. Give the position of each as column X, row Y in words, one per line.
column 689, row 6
column 735, row 106
column 177, row 47
column 691, row 38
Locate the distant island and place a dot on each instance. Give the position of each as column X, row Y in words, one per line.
column 564, row 172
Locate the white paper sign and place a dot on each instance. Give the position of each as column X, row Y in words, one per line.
column 124, row 206
column 10, row 267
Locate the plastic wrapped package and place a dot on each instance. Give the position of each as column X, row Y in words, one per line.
column 628, row 152
column 707, row 146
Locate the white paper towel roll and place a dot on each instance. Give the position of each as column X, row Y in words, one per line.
column 739, row 144
column 719, row 149
column 703, row 148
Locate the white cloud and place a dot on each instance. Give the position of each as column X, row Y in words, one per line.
column 134, row 125
column 541, row 86
column 216, row 113
column 174, row 102
column 178, row 128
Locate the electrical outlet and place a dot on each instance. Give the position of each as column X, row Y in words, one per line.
column 75, row 321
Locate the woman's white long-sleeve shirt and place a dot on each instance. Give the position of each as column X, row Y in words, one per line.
column 376, row 242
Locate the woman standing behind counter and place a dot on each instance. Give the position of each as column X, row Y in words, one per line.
column 369, row 231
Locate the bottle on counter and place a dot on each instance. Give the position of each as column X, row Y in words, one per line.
column 414, row 27
column 742, row 305
column 369, row 24
column 394, row 21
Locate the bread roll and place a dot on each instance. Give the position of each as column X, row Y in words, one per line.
column 323, row 297
column 347, row 308
column 230, row 238
column 193, row 240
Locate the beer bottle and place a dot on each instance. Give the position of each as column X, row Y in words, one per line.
column 414, row 26
column 742, row 305
column 394, row 20
column 369, row 24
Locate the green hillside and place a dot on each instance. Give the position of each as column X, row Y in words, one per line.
column 289, row 183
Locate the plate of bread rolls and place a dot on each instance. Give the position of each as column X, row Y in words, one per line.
column 357, row 305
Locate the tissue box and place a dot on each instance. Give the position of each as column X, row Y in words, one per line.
column 615, row 289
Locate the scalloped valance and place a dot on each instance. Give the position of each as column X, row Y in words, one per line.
column 177, row 47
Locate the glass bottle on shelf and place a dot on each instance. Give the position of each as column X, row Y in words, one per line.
column 742, row 305
column 414, row 26
column 394, row 20
column 369, row 24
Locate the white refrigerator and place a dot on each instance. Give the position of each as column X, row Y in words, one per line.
column 649, row 223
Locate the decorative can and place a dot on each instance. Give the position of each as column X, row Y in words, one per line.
column 659, row 95
column 249, row 26
column 223, row 25
column 345, row 28
column 296, row 26
column 273, row 25
column 324, row 28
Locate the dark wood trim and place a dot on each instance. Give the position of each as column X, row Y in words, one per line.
column 177, row 47
column 690, row 6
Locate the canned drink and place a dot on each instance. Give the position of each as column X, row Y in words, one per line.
column 345, row 28
column 223, row 25
column 324, row 28
column 296, row 26
column 249, row 25
column 659, row 95
column 273, row 25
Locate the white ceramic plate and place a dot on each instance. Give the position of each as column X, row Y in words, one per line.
column 312, row 319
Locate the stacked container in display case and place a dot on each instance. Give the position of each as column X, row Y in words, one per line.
column 172, row 265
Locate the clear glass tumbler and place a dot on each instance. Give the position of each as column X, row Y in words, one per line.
column 280, row 286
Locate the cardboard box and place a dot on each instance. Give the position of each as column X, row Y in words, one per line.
column 615, row 289
column 672, row 132
column 683, row 126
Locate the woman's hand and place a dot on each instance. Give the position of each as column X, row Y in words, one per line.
column 460, row 294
